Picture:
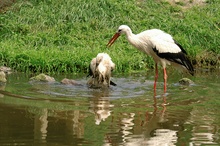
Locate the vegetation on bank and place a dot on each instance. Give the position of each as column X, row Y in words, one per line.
column 56, row 36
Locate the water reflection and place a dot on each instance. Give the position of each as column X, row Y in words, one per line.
column 40, row 126
column 74, row 125
column 157, row 135
column 68, row 122
column 204, row 130
column 163, row 137
column 54, row 114
column 144, row 128
column 127, row 125
column 2, row 88
column 100, row 105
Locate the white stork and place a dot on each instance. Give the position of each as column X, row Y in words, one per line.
column 160, row 45
column 100, row 69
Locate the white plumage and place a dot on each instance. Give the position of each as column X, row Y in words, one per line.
column 100, row 70
column 92, row 67
column 158, row 44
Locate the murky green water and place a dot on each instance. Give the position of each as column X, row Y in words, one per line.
column 56, row 114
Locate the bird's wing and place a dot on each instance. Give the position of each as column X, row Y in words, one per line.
column 180, row 47
column 172, row 51
column 92, row 67
column 167, row 50
column 164, row 43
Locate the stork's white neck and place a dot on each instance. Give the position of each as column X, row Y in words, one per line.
column 130, row 36
column 133, row 40
column 137, row 41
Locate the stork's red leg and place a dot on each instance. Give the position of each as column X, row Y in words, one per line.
column 165, row 79
column 155, row 80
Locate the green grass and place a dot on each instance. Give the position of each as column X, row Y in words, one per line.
column 63, row 36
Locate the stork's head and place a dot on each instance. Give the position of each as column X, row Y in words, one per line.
column 123, row 29
column 99, row 58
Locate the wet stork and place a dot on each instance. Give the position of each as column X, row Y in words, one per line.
column 160, row 45
column 100, row 69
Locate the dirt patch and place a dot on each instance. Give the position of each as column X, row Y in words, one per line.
column 4, row 4
column 186, row 3
column 207, row 59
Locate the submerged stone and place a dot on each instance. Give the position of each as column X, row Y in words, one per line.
column 185, row 81
column 42, row 77
column 69, row 82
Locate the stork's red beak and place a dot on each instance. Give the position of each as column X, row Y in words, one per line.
column 113, row 39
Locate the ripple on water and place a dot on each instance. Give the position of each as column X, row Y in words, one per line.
column 204, row 130
column 122, row 115
column 126, row 88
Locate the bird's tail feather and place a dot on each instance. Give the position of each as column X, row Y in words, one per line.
column 187, row 63
column 181, row 59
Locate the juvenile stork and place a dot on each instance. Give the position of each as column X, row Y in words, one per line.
column 100, row 70
column 161, row 46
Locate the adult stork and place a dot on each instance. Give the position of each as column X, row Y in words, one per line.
column 161, row 46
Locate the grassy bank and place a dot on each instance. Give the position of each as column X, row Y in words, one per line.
column 63, row 36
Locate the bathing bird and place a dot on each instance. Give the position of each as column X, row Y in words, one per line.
column 161, row 46
column 100, row 69
column 104, row 67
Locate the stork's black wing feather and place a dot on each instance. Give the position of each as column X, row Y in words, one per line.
column 112, row 83
column 179, row 58
column 180, row 47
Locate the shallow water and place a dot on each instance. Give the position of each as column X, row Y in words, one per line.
column 33, row 113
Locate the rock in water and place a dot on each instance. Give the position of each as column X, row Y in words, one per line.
column 185, row 81
column 42, row 77
column 70, row 82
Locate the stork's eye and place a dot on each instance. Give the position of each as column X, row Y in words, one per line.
column 119, row 30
